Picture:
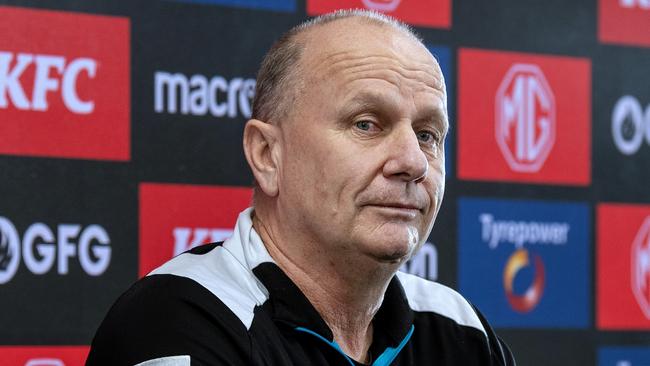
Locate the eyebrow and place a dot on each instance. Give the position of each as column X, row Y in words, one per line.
column 372, row 100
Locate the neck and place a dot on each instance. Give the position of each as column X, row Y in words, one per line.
column 346, row 293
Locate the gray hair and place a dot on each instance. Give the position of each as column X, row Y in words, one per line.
column 278, row 80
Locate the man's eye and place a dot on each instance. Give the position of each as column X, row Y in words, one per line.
column 364, row 125
column 426, row 136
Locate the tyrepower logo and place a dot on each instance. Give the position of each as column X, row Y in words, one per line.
column 175, row 218
column 45, row 249
column 43, row 356
column 623, row 266
column 630, row 125
column 521, row 261
column 62, row 95
column 426, row 13
column 524, row 118
column 624, row 356
column 199, row 95
column 624, row 22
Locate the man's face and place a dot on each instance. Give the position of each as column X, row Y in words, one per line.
column 362, row 168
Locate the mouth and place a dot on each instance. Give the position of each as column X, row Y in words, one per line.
column 397, row 209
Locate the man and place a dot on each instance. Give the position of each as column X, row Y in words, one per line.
column 346, row 146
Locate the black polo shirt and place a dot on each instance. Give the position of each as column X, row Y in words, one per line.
column 230, row 304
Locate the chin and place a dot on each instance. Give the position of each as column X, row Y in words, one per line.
column 392, row 252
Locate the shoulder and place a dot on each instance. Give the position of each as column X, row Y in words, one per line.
column 171, row 313
column 454, row 317
column 427, row 296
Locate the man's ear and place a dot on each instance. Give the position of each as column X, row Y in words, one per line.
column 261, row 148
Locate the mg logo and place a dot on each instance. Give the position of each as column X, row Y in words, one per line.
column 525, row 118
column 381, row 5
column 630, row 125
column 641, row 267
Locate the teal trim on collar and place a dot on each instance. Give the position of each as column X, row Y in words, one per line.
column 391, row 353
column 331, row 344
column 384, row 359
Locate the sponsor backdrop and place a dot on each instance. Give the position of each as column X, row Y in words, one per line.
column 120, row 130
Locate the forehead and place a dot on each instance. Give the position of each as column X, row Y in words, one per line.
column 349, row 47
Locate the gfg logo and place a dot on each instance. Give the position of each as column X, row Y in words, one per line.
column 525, row 118
column 52, row 74
column 198, row 95
column 630, row 125
column 641, row 267
column 186, row 238
column 40, row 246
column 381, row 5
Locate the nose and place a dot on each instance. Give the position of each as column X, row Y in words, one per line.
column 405, row 158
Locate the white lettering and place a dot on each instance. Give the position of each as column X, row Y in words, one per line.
column 521, row 232
column 45, row 248
column 187, row 238
column 41, row 245
column 9, row 80
column 70, row 96
column 641, row 4
column 101, row 251
column 48, row 70
column 199, row 96
column 424, row 263
column 630, row 124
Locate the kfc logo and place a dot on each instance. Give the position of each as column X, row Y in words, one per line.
column 175, row 218
column 525, row 118
column 60, row 94
column 64, row 81
column 427, row 13
column 624, row 22
column 200, row 96
column 40, row 247
column 641, row 267
column 381, row 5
column 630, row 125
column 186, row 238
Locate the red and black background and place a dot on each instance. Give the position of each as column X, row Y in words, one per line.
column 92, row 135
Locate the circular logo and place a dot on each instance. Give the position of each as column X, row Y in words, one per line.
column 531, row 297
column 9, row 250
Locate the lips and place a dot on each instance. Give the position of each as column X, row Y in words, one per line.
column 397, row 206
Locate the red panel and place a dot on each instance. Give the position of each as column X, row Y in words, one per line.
column 524, row 118
column 623, row 267
column 172, row 216
column 624, row 21
column 64, row 84
column 427, row 13
column 43, row 356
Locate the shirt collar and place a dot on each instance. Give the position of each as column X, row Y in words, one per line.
column 288, row 305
